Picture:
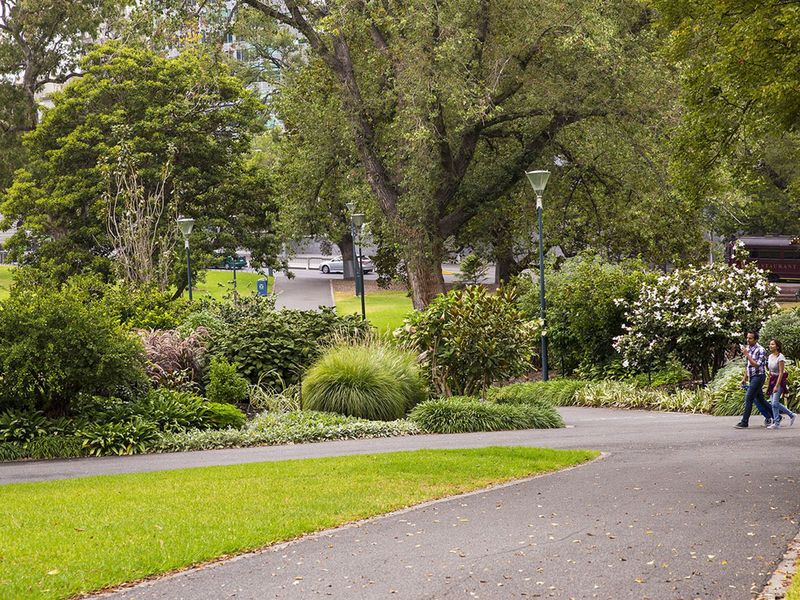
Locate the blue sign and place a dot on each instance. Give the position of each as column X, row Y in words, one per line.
column 261, row 285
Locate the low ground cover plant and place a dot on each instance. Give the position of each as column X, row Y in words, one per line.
column 369, row 380
column 122, row 528
column 463, row 414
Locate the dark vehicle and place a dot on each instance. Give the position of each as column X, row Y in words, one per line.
column 232, row 262
column 779, row 255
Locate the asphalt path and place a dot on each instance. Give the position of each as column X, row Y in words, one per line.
column 680, row 507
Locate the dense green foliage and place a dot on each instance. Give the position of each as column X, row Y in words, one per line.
column 587, row 299
column 144, row 308
column 369, row 381
column 696, row 313
column 737, row 147
column 118, row 437
column 464, row 414
column 784, row 327
column 444, row 105
column 132, row 108
column 56, row 344
column 469, row 339
column 225, row 384
column 275, row 347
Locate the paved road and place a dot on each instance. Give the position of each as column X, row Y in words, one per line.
column 681, row 507
column 304, row 293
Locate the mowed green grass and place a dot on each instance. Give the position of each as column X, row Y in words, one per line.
column 218, row 284
column 5, row 280
column 62, row 538
column 385, row 309
column 793, row 593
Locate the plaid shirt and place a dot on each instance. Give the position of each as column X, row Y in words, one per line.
column 758, row 354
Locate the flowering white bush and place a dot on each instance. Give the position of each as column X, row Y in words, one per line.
column 696, row 313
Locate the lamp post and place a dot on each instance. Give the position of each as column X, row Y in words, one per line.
column 538, row 180
column 351, row 208
column 358, row 223
column 185, row 225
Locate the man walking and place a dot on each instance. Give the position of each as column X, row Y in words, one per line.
column 753, row 380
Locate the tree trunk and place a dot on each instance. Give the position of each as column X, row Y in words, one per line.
column 346, row 246
column 427, row 282
column 504, row 267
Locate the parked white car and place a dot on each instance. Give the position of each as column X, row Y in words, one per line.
column 336, row 265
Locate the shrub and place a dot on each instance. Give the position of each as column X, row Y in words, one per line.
column 784, row 327
column 225, row 385
column 463, row 414
column 174, row 360
column 55, row 345
column 370, row 381
column 22, row 427
column 223, row 416
column 519, row 393
column 144, row 308
column 56, row 446
column 172, row 410
column 696, row 314
column 206, row 319
column 468, row 339
column 276, row 347
column 472, row 270
column 586, row 303
column 129, row 437
column 555, row 392
column 11, row 451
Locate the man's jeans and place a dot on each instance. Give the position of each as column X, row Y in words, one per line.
column 755, row 393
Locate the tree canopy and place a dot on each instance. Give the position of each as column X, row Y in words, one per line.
column 188, row 111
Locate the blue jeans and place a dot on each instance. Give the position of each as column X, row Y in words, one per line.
column 778, row 409
column 755, row 394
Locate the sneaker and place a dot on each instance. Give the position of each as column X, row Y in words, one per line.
column 791, row 420
column 740, row 426
column 774, row 426
column 767, row 422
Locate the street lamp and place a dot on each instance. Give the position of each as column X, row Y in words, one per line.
column 538, row 180
column 351, row 208
column 185, row 225
column 358, row 223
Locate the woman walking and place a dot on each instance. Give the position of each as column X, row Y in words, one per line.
column 777, row 384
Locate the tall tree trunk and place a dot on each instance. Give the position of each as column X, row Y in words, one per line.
column 426, row 280
column 345, row 244
column 504, row 264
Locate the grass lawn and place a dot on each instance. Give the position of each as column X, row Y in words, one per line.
column 61, row 538
column 5, row 280
column 219, row 283
column 793, row 593
column 385, row 310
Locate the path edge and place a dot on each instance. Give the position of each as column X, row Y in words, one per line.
column 148, row 581
column 784, row 573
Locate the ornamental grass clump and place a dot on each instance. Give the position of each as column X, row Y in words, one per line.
column 465, row 414
column 365, row 380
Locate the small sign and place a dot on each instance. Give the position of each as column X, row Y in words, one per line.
column 261, row 287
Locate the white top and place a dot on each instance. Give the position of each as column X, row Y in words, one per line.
column 773, row 362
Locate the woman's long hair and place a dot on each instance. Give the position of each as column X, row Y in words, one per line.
column 778, row 345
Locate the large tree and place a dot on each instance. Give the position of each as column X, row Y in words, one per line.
column 430, row 90
column 41, row 42
column 186, row 111
column 738, row 147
